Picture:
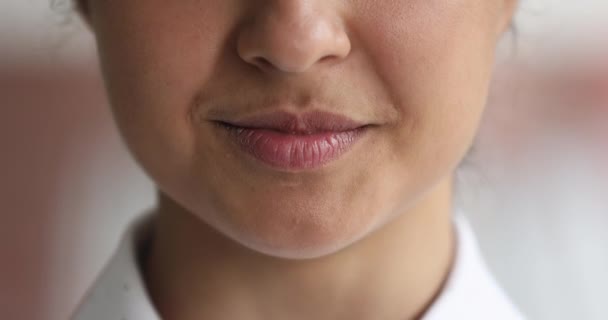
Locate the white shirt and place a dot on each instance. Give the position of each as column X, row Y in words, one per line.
column 470, row 292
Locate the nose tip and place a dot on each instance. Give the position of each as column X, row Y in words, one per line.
column 292, row 41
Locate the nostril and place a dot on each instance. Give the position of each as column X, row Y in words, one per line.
column 327, row 58
column 262, row 63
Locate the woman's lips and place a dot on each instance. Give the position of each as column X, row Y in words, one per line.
column 307, row 123
column 285, row 141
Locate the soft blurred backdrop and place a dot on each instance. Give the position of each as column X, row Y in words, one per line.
column 535, row 187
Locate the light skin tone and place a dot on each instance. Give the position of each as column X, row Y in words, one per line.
column 368, row 236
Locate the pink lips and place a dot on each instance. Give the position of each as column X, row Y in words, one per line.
column 287, row 141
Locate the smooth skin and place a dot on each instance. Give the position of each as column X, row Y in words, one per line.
column 368, row 236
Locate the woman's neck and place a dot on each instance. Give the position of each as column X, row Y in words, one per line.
column 194, row 272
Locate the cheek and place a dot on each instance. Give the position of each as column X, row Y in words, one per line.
column 154, row 59
column 436, row 65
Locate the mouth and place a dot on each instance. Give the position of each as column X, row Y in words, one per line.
column 305, row 124
column 290, row 142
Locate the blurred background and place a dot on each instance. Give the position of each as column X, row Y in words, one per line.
column 535, row 186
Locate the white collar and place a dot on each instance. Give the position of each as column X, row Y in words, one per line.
column 470, row 292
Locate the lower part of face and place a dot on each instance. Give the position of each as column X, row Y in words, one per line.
column 418, row 70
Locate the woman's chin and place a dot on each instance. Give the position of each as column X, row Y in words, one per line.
column 300, row 239
column 296, row 248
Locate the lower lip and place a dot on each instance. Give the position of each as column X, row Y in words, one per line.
column 294, row 151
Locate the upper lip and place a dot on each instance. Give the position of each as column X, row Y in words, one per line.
column 305, row 123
